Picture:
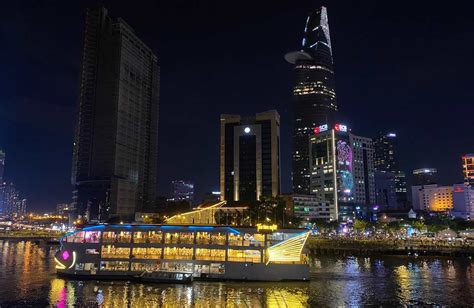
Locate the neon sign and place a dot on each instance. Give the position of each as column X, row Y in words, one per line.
column 340, row 127
column 320, row 129
column 262, row 227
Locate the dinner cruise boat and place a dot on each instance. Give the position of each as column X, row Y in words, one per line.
column 205, row 252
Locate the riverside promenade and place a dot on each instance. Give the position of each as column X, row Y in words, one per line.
column 389, row 246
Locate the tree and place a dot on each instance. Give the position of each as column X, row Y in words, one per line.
column 360, row 225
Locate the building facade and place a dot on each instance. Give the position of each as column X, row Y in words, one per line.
column 115, row 144
column 468, row 168
column 183, row 190
column 432, row 198
column 425, row 176
column 385, row 192
column 342, row 173
column 2, row 165
column 250, row 156
column 463, row 201
column 11, row 203
column 314, row 93
column 309, row 207
column 386, row 160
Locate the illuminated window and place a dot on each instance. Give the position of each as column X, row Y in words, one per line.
column 147, row 237
column 253, row 256
column 178, row 253
column 146, row 253
column 149, row 267
column 114, row 266
column 210, row 254
column 110, row 251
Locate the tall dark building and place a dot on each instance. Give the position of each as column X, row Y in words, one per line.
column 314, row 93
column 115, row 143
column 183, row 190
column 386, row 161
column 250, row 156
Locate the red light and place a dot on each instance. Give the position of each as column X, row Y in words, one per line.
column 337, row 127
column 316, row 130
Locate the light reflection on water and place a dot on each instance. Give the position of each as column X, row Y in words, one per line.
column 27, row 279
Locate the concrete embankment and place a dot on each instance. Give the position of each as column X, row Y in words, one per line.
column 431, row 247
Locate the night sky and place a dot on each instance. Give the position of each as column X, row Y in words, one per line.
column 400, row 66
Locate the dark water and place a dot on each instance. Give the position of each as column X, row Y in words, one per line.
column 27, row 279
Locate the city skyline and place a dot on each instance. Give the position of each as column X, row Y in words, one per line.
column 25, row 143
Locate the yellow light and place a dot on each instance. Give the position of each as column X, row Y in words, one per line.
column 289, row 250
column 59, row 265
column 262, row 227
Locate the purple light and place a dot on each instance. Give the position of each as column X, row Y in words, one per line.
column 65, row 255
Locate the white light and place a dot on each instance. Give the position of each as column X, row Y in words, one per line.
column 247, row 130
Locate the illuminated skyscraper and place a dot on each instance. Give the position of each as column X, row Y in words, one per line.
column 115, row 143
column 314, row 93
column 468, row 168
column 342, row 172
column 250, row 156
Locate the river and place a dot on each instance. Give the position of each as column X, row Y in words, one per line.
column 27, row 279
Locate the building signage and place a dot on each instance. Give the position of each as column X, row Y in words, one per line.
column 340, row 127
column 320, row 128
column 266, row 228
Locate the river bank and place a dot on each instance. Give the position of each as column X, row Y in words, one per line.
column 425, row 247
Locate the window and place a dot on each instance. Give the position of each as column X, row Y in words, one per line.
column 110, row 251
column 147, row 237
column 92, row 251
column 178, row 253
column 146, row 253
column 244, row 255
column 171, row 238
column 210, row 254
column 203, row 238
column 114, row 266
column 149, row 267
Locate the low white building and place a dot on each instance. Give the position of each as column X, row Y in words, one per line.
column 432, row 198
column 463, row 201
column 308, row 207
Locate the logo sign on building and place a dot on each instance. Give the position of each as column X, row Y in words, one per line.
column 320, row 128
column 340, row 127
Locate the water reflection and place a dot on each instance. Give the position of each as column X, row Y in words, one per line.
column 27, row 278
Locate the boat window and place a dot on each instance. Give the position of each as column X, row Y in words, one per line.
column 109, row 237
column 91, row 236
column 217, row 268
column 236, row 239
column 114, row 266
column 178, row 253
column 177, row 267
column 147, row 237
column 210, row 254
column 203, row 238
column 150, row 267
column 171, row 238
column 244, row 256
column 218, row 238
column 146, row 253
column 124, row 237
column 92, row 251
column 110, row 251
column 186, row 237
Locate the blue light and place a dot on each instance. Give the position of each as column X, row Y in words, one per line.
column 200, row 228
column 170, row 227
column 233, row 230
column 94, row 227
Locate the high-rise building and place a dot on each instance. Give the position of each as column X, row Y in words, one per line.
column 115, row 144
column 342, row 172
column 425, row 176
column 314, row 93
column 250, row 156
column 463, row 201
column 2, row 164
column 183, row 190
column 468, row 168
column 432, row 198
column 385, row 192
column 386, row 160
column 10, row 202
